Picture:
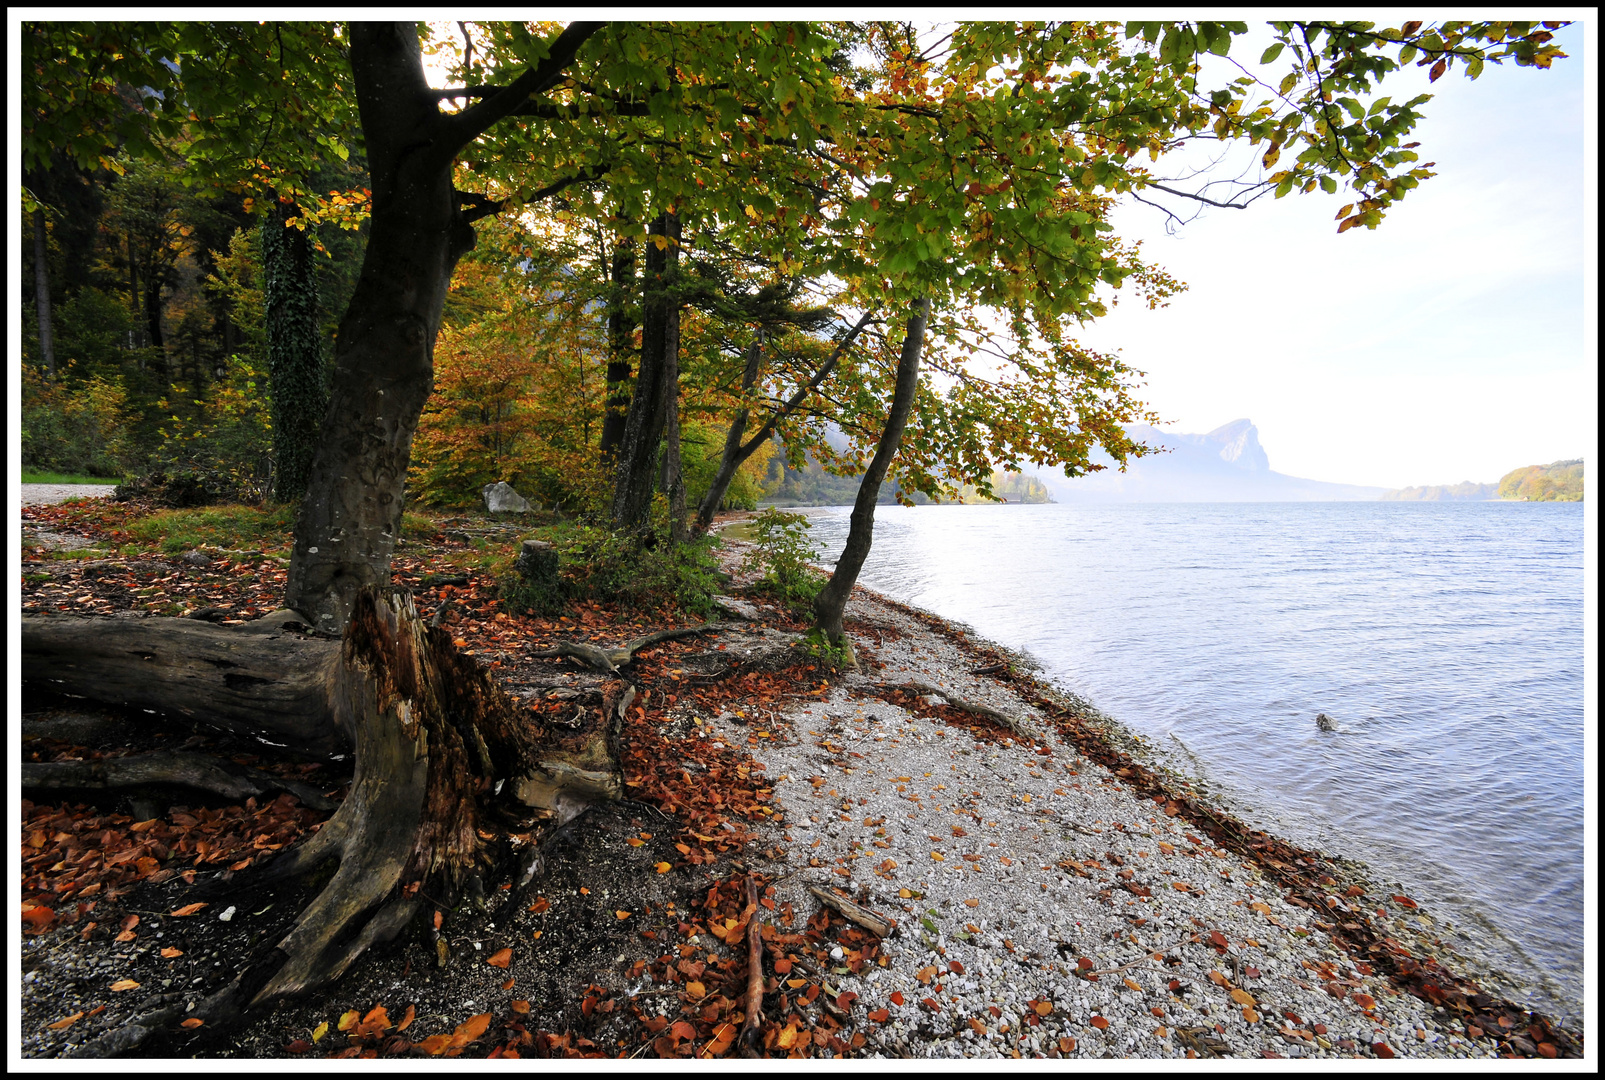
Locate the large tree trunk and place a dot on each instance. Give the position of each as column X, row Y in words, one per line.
column 384, row 363
column 621, row 346
column 438, row 747
column 643, row 427
column 295, row 351
column 832, row 599
column 41, row 292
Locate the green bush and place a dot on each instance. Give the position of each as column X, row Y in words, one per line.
column 74, row 425
column 599, row 564
column 782, row 555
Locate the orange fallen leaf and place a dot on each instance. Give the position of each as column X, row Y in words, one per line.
column 1365, row 1001
column 925, row 974
column 1243, row 997
column 500, row 958
column 1043, row 1008
column 1066, row 1045
column 540, row 905
column 66, row 1022
column 348, row 1020
column 124, row 984
column 696, row 989
column 1100, row 1023
column 406, row 1018
column 508, row 985
column 1250, row 1015
column 192, row 1022
column 170, row 952
column 662, row 867
column 439, row 918
column 972, row 903
column 1132, row 984
column 521, row 1008
column 897, row 997
column 435, row 1044
column 622, row 914
column 126, row 935
column 880, row 1016
column 472, row 1028
column 190, row 909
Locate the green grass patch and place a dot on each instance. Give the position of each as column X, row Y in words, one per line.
column 32, row 476
column 230, row 527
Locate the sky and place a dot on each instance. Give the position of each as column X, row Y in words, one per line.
column 1455, row 342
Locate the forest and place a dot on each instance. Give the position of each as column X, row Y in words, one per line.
column 1559, row 481
column 344, row 272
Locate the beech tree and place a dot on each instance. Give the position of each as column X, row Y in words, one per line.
column 974, row 173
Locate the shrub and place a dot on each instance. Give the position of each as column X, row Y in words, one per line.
column 783, row 554
column 80, row 428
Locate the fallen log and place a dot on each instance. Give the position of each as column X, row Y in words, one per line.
column 164, row 767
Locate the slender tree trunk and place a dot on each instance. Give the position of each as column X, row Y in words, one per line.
column 735, row 451
column 384, row 362
column 832, row 599
column 133, row 299
column 673, row 479
column 295, row 352
column 643, row 427
column 621, row 344
column 41, row 289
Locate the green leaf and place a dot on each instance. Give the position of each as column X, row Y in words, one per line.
column 1273, row 52
column 1328, row 185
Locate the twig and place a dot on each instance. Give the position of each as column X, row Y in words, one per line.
column 875, row 924
column 751, row 1027
column 1151, row 954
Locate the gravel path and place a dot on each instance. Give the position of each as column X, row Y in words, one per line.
column 1017, row 875
column 44, row 494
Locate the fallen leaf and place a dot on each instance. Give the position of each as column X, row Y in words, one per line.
column 1382, row 1049
column 170, row 952
column 348, row 1020
column 662, row 867
column 897, row 997
column 521, row 1008
column 472, row 1028
column 1100, row 1023
column 192, row 1022
column 1243, row 997
column 696, row 989
column 126, row 935
column 320, row 1031
column 1066, row 1045
column 508, row 985
column 622, row 914
column 66, row 1022
column 190, row 909
column 1043, row 1008
column 1365, row 1001
column 972, row 903
column 925, row 974
column 124, row 984
column 406, row 1018
column 1250, row 1015
column 435, row 1044
column 880, row 1016
column 439, row 918
column 500, row 958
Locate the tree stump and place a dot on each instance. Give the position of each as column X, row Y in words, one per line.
column 537, row 586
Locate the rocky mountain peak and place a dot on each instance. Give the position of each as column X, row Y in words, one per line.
column 1239, row 444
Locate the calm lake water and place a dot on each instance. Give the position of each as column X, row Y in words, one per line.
column 1445, row 639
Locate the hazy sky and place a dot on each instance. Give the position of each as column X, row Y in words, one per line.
column 1455, row 342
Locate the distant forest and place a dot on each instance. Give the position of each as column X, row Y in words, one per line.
column 1560, row 481
column 813, row 486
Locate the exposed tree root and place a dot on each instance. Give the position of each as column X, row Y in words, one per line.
column 1014, row 724
column 875, row 924
column 752, row 1027
column 610, row 660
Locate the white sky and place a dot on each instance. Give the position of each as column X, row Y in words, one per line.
column 1455, row 342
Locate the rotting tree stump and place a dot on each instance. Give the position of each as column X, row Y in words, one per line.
column 443, row 759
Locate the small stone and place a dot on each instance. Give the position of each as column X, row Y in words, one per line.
column 226, row 914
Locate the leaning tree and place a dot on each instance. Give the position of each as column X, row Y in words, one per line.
column 975, row 171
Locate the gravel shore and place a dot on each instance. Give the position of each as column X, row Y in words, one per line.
column 1044, row 908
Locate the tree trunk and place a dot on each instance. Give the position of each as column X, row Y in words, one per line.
column 832, row 599
column 295, row 351
column 437, row 745
column 384, row 364
column 673, row 479
column 41, row 290
column 643, row 427
column 621, row 343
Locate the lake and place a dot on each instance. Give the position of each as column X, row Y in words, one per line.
column 1444, row 639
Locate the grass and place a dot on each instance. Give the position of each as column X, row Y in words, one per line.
column 35, row 476
column 238, row 527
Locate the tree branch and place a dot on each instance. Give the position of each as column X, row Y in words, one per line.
column 467, row 125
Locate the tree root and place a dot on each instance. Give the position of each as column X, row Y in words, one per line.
column 164, row 767
column 610, row 660
column 752, row 1027
column 1014, row 724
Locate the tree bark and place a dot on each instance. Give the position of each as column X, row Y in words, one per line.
column 643, row 427
column 41, row 291
column 295, row 351
column 621, row 344
column 832, row 599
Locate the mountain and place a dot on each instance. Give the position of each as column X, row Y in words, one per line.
column 1225, row 465
column 1465, row 491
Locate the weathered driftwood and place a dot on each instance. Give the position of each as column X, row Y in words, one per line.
column 610, row 660
column 1013, row 723
column 164, row 767
column 875, row 924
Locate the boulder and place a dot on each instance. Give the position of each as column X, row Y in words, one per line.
column 500, row 498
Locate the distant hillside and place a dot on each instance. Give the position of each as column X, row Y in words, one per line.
column 1225, row 465
column 1560, row 481
column 813, row 486
column 1466, row 491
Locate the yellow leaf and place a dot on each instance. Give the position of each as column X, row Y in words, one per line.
column 788, row 1038
column 1242, row 997
column 696, row 989
column 1132, row 983
column 796, row 984
column 320, row 1031
column 124, row 984
column 1250, row 1015
column 937, row 855
column 663, row 868
column 348, row 1020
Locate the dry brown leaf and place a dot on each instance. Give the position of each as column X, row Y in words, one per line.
column 66, row 1022
column 190, row 909
column 1243, row 997
column 500, row 958
column 124, row 984
column 192, row 1022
